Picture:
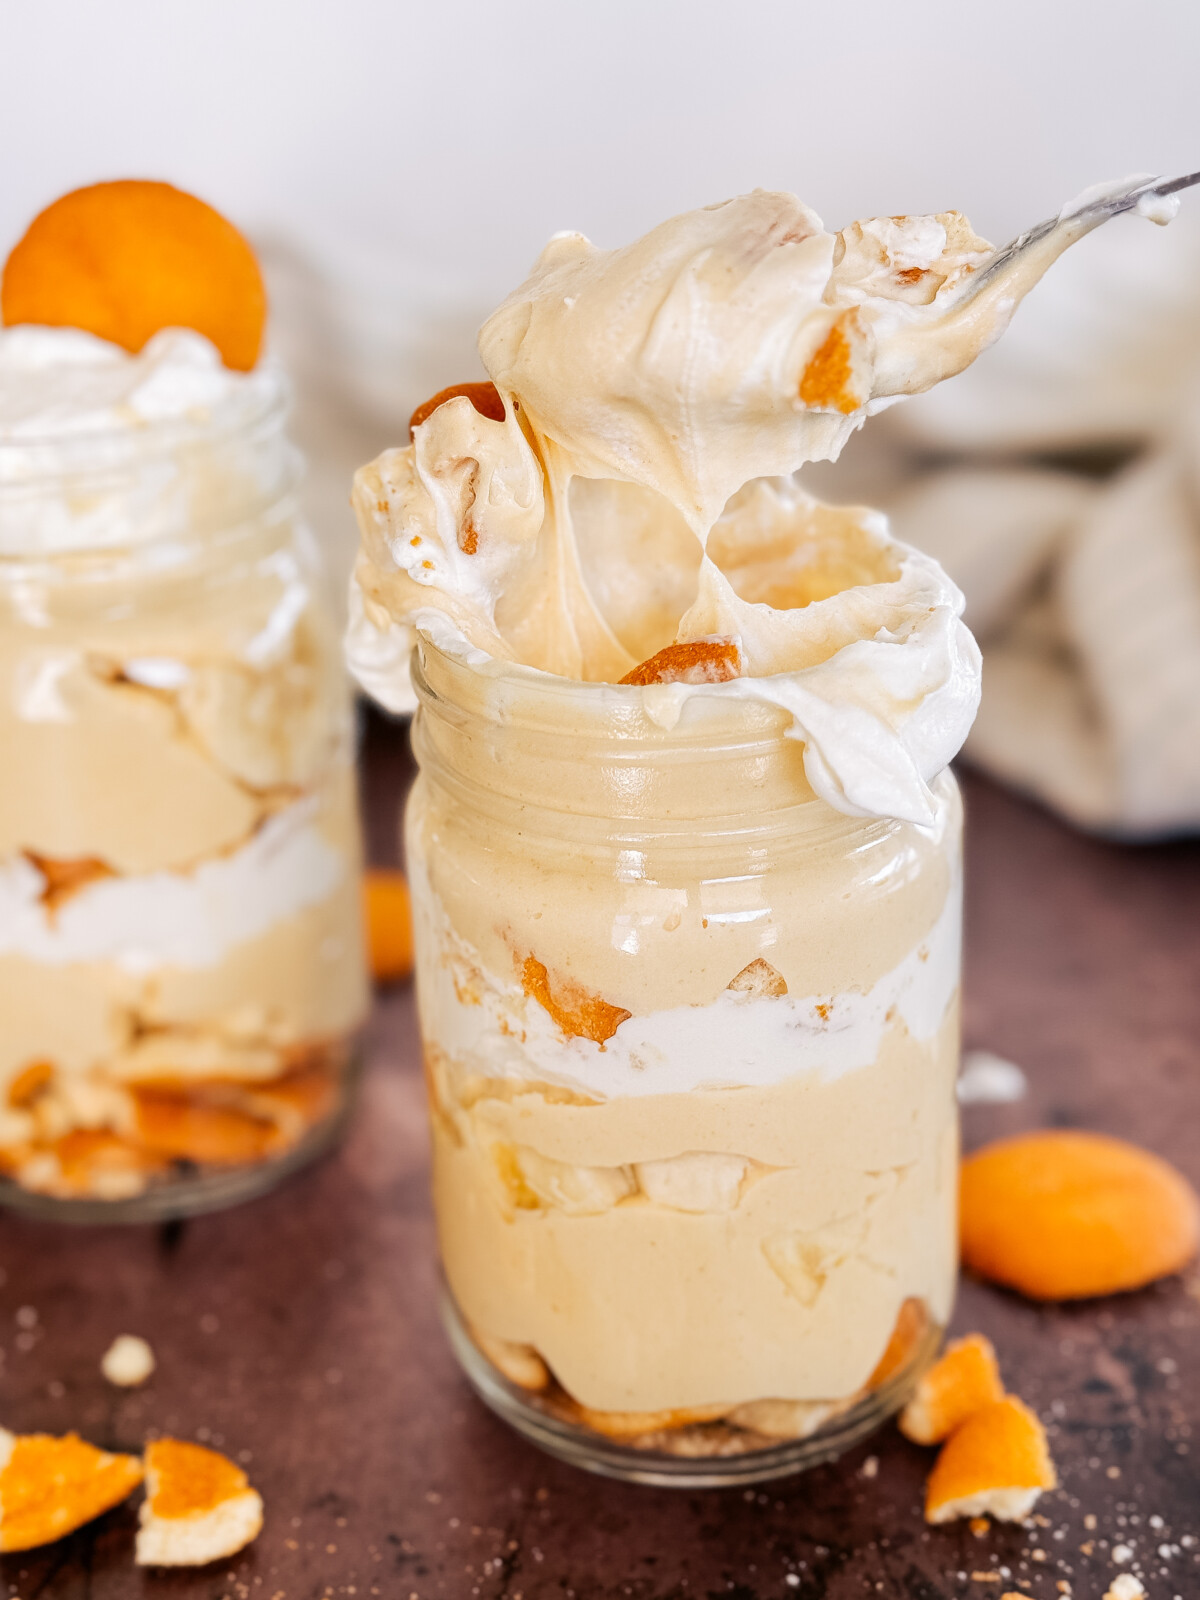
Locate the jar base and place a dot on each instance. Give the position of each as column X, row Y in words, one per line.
column 197, row 1193
column 610, row 1459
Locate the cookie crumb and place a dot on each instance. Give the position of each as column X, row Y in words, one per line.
column 995, row 1464
column 128, row 1361
column 990, row 1080
column 964, row 1380
column 1125, row 1587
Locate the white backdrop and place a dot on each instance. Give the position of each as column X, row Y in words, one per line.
column 400, row 164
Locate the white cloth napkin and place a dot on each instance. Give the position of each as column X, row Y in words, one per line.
column 1086, row 600
column 1084, row 593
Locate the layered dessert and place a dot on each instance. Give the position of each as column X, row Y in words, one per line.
column 684, row 850
column 181, row 967
column 693, row 1096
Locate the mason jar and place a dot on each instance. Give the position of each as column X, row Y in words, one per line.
column 691, row 1039
column 181, row 963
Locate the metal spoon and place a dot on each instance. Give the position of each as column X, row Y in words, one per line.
column 919, row 354
column 1072, row 224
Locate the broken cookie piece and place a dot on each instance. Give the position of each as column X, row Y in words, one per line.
column 698, row 1181
column 963, row 1381
column 784, row 1419
column 996, row 1464
column 579, row 1013
column 695, row 661
column 51, row 1486
column 519, row 1363
column 63, row 878
column 485, row 397
column 532, row 1181
column 760, row 980
column 635, row 1424
column 838, row 374
column 910, row 1327
column 199, row 1507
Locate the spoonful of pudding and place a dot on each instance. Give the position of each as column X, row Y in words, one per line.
column 624, row 483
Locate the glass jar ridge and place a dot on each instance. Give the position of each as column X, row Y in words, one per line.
column 691, row 1040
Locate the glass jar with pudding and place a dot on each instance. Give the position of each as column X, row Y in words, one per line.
column 684, row 849
column 181, row 967
column 691, row 1038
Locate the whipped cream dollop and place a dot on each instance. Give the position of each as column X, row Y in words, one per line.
column 56, row 382
column 636, row 492
column 76, row 410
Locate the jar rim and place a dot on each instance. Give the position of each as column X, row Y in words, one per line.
column 728, row 775
column 552, row 745
column 514, row 694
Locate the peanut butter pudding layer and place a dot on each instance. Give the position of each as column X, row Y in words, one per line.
column 180, row 918
column 684, row 850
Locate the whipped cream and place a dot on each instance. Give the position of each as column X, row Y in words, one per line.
column 637, row 494
column 58, row 382
column 74, row 408
column 175, row 919
column 490, row 1028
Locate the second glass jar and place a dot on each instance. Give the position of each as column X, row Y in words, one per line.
column 181, row 962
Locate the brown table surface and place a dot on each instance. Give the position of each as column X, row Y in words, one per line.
column 300, row 1334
